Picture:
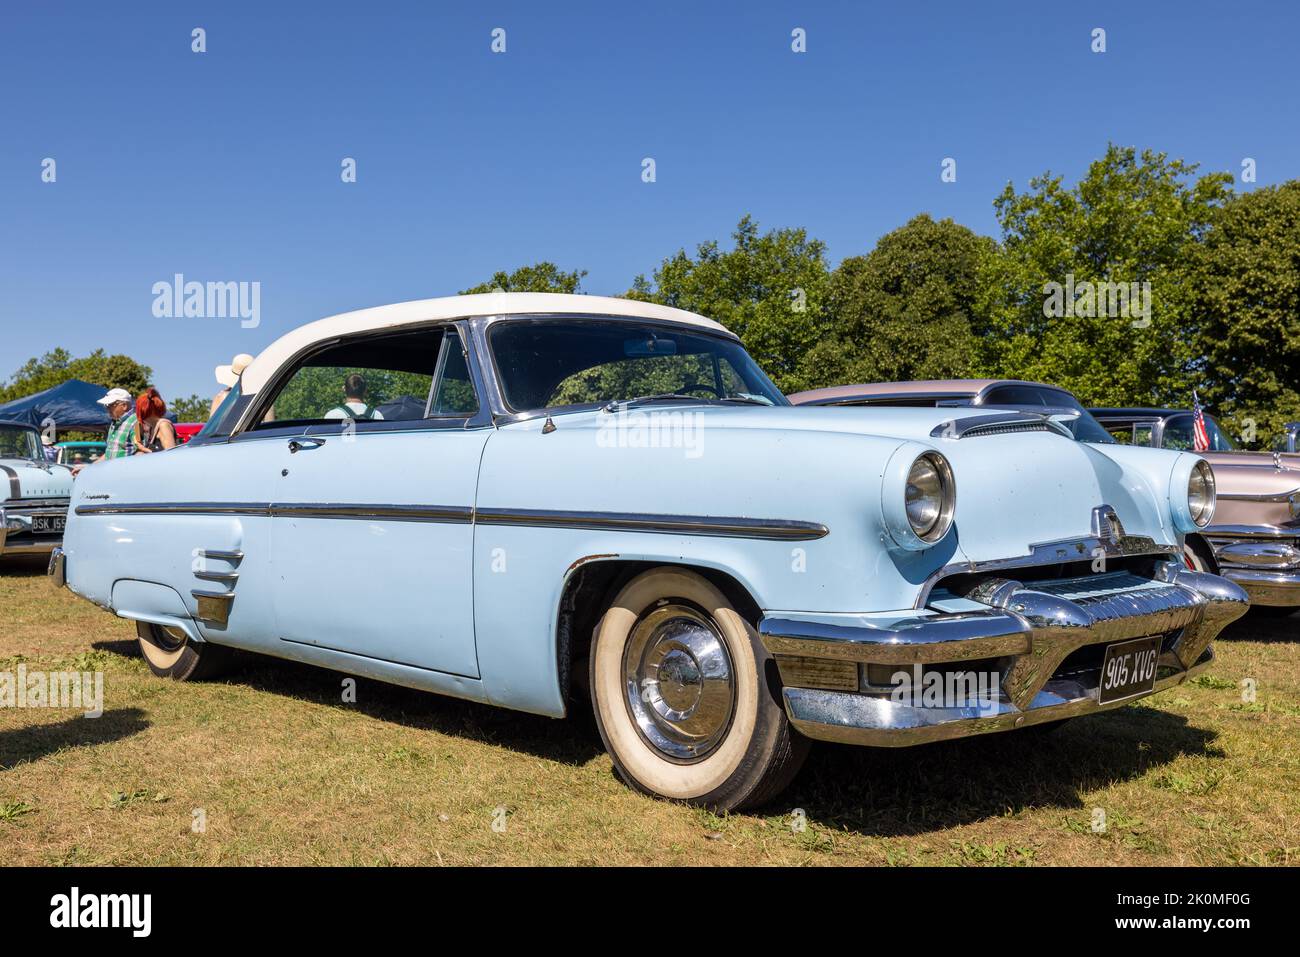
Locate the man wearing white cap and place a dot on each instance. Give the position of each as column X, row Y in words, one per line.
column 227, row 376
column 120, row 441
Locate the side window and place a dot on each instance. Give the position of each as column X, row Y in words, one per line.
column 403, row 377
column 453, row 394
column 1122, row 434
column 1178, row 434
column 1142, row 435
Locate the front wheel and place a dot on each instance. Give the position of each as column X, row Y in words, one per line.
column 1195, row 557
column 680, row 692
column 169, row 653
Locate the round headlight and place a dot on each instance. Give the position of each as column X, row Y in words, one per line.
column 1201, row 493
column 929, row 497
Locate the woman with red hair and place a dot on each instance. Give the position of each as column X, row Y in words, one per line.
column 153, row 431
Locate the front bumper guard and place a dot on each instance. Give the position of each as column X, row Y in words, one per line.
column 1263, row 560
column 1031, row 629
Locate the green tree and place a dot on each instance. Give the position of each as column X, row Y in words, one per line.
column 904, row 310
column 770, row 289
column 1242, row 286
column 59, row 365
column 192, row 408
column 1131, row 219
column 539, row 277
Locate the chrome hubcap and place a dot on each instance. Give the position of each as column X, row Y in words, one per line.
column 679, row 682
column 169, row 639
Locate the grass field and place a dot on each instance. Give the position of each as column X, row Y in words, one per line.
column 281, row 771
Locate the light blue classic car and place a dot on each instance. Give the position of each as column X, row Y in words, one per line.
column 525, row 499
column 33, row 493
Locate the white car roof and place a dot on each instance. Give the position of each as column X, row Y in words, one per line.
column 456, row 307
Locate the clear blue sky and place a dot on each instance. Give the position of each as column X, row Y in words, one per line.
column 225, row 165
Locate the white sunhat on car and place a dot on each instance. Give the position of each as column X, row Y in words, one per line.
column 114, row 395
column 229, row 375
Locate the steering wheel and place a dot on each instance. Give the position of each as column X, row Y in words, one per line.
column 690, row 387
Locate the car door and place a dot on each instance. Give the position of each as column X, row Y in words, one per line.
column 372, row 534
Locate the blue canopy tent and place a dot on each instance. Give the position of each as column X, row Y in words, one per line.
column 71, row 405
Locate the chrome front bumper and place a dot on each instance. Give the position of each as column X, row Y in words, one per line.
column 1027, row 631
column 18, row 540
column 1264, row 560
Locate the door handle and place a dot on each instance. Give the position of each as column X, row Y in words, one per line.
column 305, row 442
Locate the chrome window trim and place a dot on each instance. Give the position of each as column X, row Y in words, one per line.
column 258, row 402
column 786, row 530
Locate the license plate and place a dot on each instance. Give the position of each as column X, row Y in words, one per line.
column 48, row 524
column 1129, row 669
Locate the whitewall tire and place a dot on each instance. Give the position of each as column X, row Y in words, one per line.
column 682, row 695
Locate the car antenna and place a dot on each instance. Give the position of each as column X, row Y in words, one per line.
column 549, row 426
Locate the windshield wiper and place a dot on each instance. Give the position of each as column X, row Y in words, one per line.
column 745, row 400
column 658, row 397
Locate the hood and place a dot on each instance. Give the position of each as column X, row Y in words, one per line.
column 23, row 478
column 1018, row 483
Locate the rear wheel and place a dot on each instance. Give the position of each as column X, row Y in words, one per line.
column 680, row 692
column 170, row 653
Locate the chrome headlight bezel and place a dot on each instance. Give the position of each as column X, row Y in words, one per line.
column 1192, row 493
column 1202, row 493
column 913, row 469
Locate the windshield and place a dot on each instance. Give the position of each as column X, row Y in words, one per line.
column 19, row 443
column 553, row 363
column 1179, row 435
column 213, row 425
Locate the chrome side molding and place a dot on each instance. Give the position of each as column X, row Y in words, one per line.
column 773, row 529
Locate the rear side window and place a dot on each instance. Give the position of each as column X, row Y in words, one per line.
column 405, row 377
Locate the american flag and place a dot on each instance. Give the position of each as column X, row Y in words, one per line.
column 1200, row 437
